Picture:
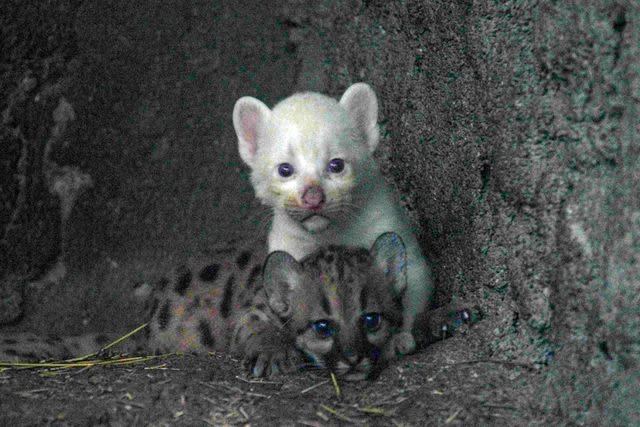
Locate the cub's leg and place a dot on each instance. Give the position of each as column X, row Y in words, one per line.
column 415, row 298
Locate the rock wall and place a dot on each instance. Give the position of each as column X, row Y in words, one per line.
column 118, row 154
column 512, row 129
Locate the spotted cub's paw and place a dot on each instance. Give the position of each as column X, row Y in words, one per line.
column 269, row 354
column 403, row 343
column 268, row 363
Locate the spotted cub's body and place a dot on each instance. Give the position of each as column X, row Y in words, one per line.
column 197, row 308
column 337, row 308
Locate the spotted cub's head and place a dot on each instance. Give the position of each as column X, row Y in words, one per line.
column 310, row 152
column 342, row 304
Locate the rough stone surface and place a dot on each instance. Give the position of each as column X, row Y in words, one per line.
column 510, row 129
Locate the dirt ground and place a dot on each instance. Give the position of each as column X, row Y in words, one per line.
column 446, row 384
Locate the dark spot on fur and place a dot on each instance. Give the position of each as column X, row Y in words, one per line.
column 363, row 258
column 11, row 352
column 209, row 273
column 165, row 315
column 260, row 306
column 206, row 337
column 9, row 341
column 225, row 305
column 325, row 304
column 184, row 280
column 254, row 317
column 312, row 262
column 154, row 307
column 397, row 300
column 243, row 259
column 162, row 284
column 329, row 258
column 253, row 276
column 340, row 266
column 364, row 294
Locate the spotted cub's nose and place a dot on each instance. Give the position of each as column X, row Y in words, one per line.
column 313, row 197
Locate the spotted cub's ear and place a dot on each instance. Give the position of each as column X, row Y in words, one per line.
column 391, row 256
column 362, row 105
column 249, row 118
column 282, row 274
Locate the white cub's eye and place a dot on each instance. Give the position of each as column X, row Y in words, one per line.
column 285, row 170
column 335, row 165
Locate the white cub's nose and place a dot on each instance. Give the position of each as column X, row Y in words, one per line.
column 313, row 197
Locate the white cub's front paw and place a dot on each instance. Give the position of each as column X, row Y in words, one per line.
column 403, row 343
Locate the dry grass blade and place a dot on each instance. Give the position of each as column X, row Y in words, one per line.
column 374, row 411
column 313, row 387
column 453, row 416
column 243, row 412
column 258, row 381
column 87, row 360
column 335, row 385
column 80, row 364
column 111, row 344
column 339, row 415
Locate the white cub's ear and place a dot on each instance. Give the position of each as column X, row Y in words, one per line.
column 391, row 256
column 249, row 118
column 281, row 275
column 361, row 103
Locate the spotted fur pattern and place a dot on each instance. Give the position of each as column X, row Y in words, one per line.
column 338, row 308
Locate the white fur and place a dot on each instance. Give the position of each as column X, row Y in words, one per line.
column 307, row 130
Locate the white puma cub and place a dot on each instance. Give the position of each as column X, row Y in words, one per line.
column 311, row 161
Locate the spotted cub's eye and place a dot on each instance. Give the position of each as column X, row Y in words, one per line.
column 372, row 321
column 335, row 165
column 323, row 329
column 285, row 170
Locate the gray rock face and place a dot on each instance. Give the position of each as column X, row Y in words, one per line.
column 512, row 129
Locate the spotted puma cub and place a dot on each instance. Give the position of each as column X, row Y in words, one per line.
column 311, row 161
column 337, row 308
